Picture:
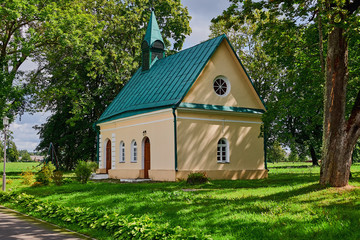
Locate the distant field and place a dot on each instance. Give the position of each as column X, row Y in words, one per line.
column 17, row 167
column 288, row 205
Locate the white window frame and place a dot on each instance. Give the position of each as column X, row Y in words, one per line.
column 122, row 152
column 134, row 151
column 228, row 86
column 220, row 151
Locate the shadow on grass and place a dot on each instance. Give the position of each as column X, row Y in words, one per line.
column 273, row 208
column 294, row 166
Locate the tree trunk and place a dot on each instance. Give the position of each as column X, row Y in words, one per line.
column 313, row 156
column 335, row 167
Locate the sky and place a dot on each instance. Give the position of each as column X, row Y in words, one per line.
column 201, row 11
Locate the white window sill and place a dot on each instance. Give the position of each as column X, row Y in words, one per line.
column 223, row 162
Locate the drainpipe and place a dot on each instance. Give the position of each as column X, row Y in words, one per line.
column 265, row 150
column 97, row 142
column 175, row 138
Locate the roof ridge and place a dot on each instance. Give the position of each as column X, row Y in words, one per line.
column 187, row 49
column 164, row 84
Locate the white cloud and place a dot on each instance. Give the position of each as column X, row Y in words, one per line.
column 25, row 137
column 202, row 11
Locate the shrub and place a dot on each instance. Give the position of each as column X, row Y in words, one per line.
column 83, row 170
column 67, row 180
column 58, row 178
column 28, row 177
column 9, row 181
column 46, row 173
column 37, row 184
column 197, row 178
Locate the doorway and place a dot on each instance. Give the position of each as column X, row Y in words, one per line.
column 146, row 157
column 108, row 156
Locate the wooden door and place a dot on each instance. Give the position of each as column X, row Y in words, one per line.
column 108, row 156
column 146, row 158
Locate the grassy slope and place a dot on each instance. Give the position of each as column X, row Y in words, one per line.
column 287, row 205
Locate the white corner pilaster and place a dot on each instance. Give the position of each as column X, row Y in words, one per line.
column 113, row 157
column 100, row 151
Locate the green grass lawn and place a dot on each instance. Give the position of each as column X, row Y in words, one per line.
column 288, row 205
column 13, row 171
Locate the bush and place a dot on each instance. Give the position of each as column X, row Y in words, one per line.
column 28, row 177
column 67, row 180
column 58, row 178
column 197, row 178
column 46, row 173
column 83, row 170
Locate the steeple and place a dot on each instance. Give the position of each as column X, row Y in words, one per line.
column 153, row 44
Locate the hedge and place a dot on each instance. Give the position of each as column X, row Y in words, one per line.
column 119, row 226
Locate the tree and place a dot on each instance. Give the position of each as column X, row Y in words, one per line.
column 276, row 153
column 12, row 155
column 25, row 155
column 340, row 134
column 27, row 27
column 341, row 19
column 285, row 69
column 81, row 77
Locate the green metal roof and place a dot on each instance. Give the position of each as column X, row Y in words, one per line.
column 164, row 84
column 221, row 108
column 153, row 32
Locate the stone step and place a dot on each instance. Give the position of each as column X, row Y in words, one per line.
column 99, row 176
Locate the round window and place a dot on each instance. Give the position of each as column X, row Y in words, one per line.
column 221, row 86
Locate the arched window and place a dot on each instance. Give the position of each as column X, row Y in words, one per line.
column 133, row 151
column 223, row 151
column 122, row 151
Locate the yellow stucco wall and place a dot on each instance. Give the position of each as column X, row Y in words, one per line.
column 199, row 133
column 159, row 127
column 224, row 63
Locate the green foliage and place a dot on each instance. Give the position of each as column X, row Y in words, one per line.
column 83, row 170
column 285, row 59
column 25, row 155
column 276, row 153
column 356, row 153
column 120, row 227
column 28, row 177
column 290, row 204
column 46, row 174
column 67, row 180
column 58, row 178
column 84, row 73
column 197, row 178
column 12, row 154
column 27, row 28
column 293, row 157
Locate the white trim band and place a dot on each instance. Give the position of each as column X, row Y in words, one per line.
column 219, row 120
column 139, row 124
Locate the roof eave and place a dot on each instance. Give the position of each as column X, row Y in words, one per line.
column 221, row 108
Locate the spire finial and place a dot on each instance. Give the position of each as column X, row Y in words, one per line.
column 153, row 45
column 151, row 3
